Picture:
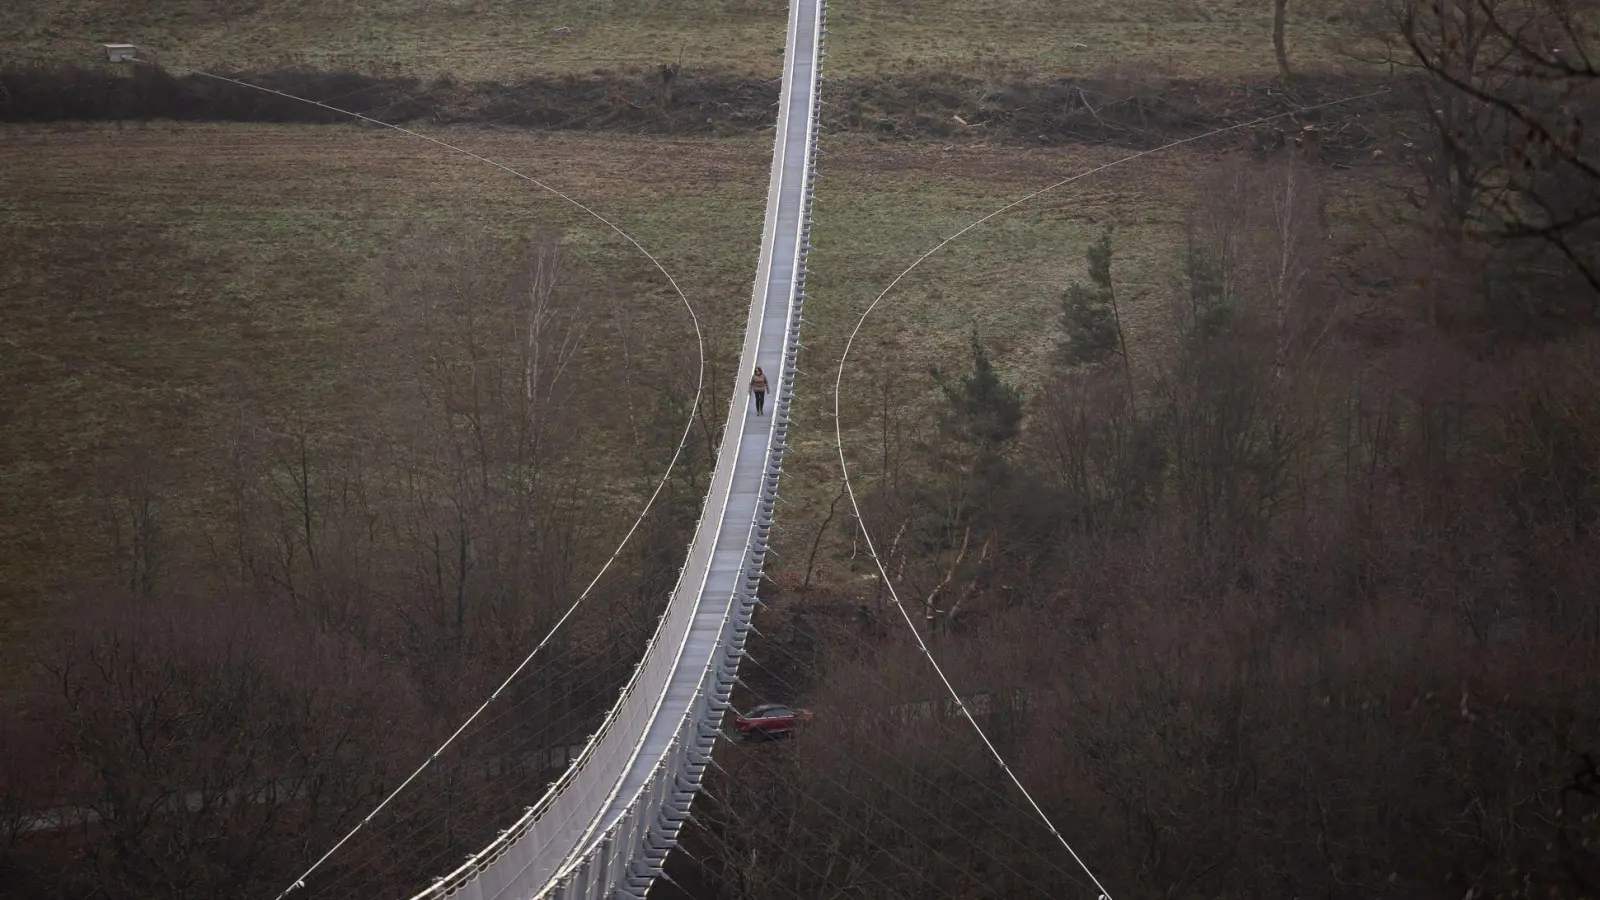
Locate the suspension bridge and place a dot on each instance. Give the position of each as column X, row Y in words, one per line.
column 604, row 829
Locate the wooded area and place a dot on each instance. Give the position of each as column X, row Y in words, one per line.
column 1300, row 602
column 1305, row 607
column 230, row 695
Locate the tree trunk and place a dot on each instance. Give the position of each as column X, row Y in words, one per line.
column 822, row 529
column 1122, row 347
column 1280, row 13
column 668, row 73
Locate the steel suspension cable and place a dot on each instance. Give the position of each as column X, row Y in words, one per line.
column 945, row 792
column 727, row 848
column 867, row 837
column 844, row 467
column 683, row 441
column 902, row 795
column 431, row 814
column 879, row 682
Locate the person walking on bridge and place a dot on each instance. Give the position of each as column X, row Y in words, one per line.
column 758, row 387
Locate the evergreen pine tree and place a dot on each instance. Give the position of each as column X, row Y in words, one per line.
column 985, row 411
column 1210, row 307
column 1088, row 312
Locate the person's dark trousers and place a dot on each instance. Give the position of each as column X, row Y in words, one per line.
column 760, row 397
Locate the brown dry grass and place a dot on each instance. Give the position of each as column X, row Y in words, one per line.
column 471, row 39
column 501, row 39
column 157, row 279
column 881, row 205
column 1076, row 37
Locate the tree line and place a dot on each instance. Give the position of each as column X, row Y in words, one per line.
column 1299, row 585
column 1296, row 599
column 262, row 654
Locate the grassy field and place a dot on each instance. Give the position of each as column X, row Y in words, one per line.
column 470, row 39
column 880, row 206
column 158, row 278
column 157, row 274
column 1204, row 38
column 501, row 40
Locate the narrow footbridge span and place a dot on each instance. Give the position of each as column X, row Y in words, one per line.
column 605, row 828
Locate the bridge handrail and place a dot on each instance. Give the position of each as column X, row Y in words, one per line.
column 600, row 758
column 731, row 619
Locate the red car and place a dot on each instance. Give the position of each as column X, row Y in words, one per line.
column 771, row 722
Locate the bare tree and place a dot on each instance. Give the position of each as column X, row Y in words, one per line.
column 209, row 747
column 1295, row 244
column 669, row 74
column 1505, row 86
column 1451, row 39
column 552, row 333
column 487, row 489
column 1280, row 50
column 816, row 541
column 303, row 524
column 134, row 520
column 1096, row 451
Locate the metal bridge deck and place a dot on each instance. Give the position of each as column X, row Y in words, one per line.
column 604, row 829
column 728, row 554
